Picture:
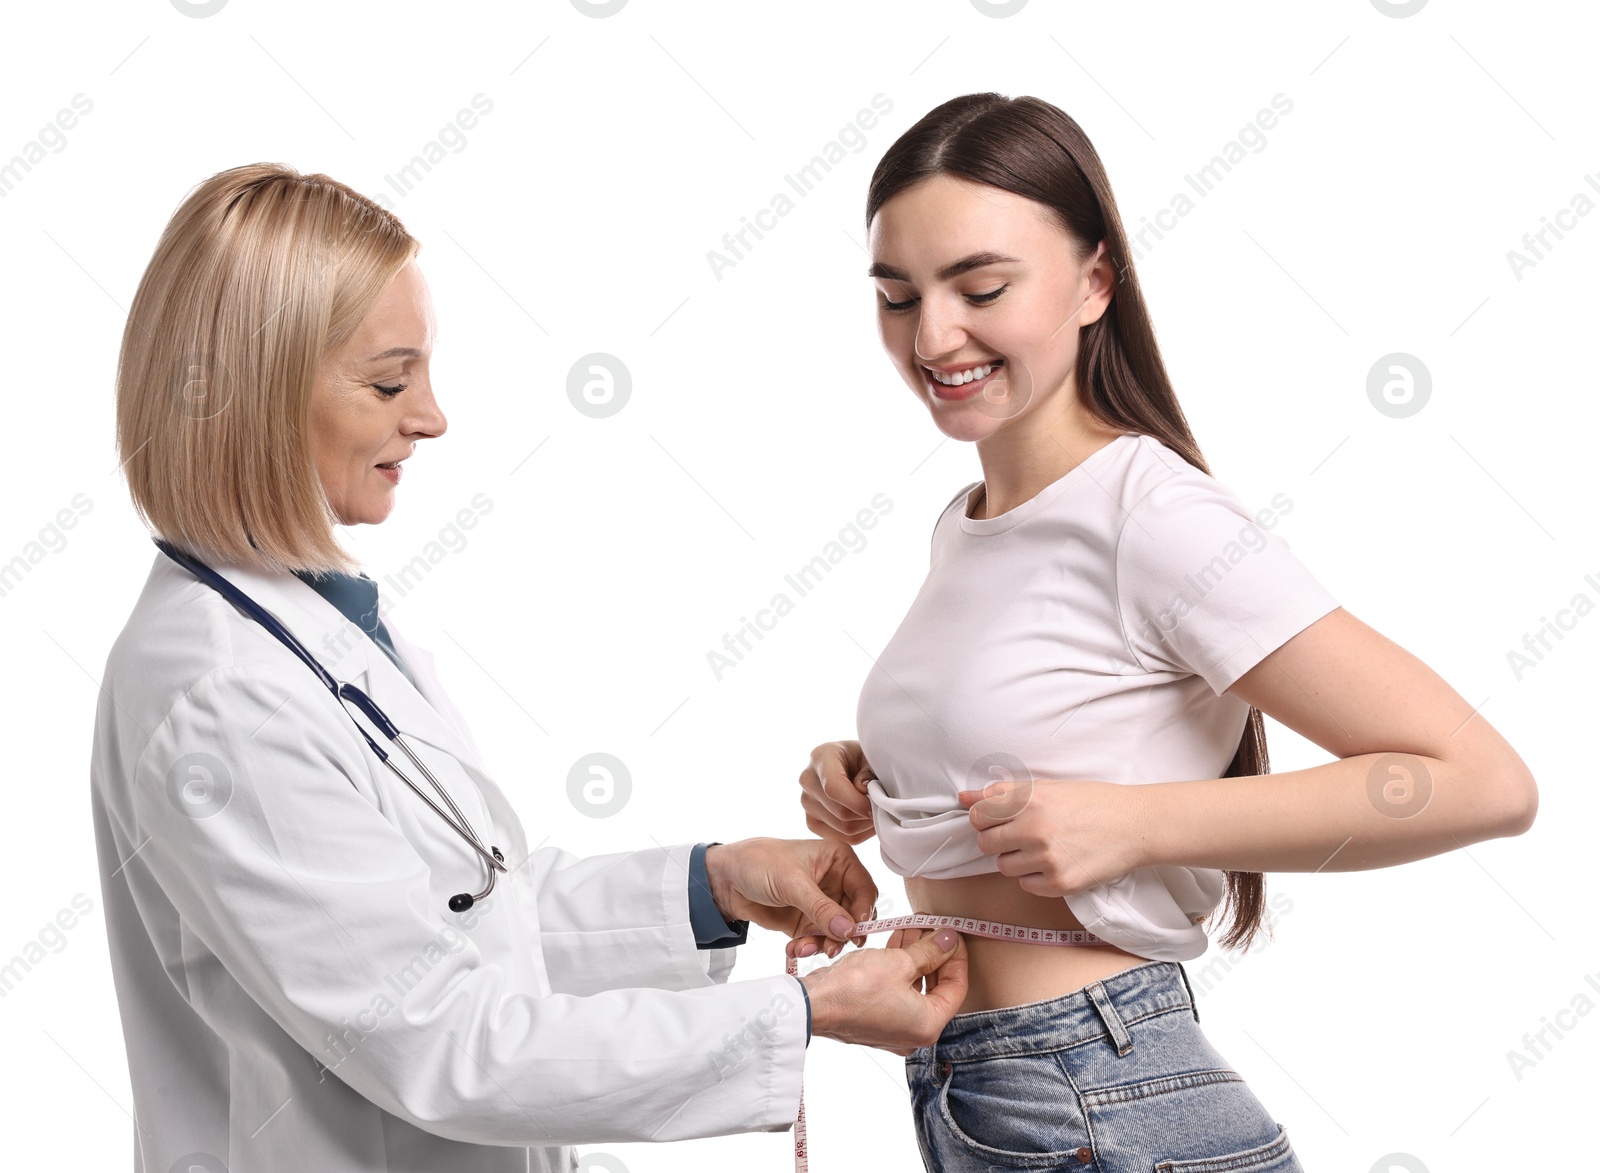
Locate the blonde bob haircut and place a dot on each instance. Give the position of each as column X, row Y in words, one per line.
column 260, row 273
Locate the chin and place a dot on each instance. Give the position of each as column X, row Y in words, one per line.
column 375, row 513
column 963, row 424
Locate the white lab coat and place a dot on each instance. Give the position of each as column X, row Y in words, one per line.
column 295, row 993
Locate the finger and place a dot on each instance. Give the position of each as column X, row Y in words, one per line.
column 816, row 799
column 824, row 830
column 860, row 890
column 982, row 817
column 946, row 987
column 826, row 914
column 842, row 821
column 831, row 773
column 844, row 775
column 830, row 832
column 900, row 938
column 863, row 907
column 1001, row 800
column 1003, row 838
column 930, row 952
column 803, row 946
column 845, row 797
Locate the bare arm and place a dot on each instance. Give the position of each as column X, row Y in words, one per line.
column 1419, row 771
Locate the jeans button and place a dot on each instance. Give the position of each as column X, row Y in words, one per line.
column 1084, row 1154
column 944, row 1070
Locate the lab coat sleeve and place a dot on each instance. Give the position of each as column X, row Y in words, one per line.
column 255, row 808
column 611, row 920
column 621, row 920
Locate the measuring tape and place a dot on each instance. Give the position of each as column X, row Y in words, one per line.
column 923, row 920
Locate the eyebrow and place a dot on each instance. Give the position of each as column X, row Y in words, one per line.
column 397, row 352
column 954, row 269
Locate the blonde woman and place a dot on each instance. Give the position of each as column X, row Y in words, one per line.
column 332, row 947
column 1065, row 731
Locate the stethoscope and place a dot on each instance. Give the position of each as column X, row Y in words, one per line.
column 349, row 692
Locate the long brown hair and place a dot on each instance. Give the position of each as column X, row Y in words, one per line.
column 1029, row 147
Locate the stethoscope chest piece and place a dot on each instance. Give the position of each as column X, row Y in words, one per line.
column 462, row 901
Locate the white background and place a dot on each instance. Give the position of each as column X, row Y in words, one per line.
column 764, row 415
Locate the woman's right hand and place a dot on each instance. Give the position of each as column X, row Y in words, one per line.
column 833, row 792
column 875, row 997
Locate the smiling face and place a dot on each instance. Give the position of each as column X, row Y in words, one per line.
column 982, row 285
column 373, row 401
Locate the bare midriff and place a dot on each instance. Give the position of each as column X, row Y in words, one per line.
column 1001, row 974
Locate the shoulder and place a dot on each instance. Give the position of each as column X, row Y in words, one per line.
column 1181, row 527
column 1167, row 500
column 178, row 635
column 953, row 508
column 962, row 495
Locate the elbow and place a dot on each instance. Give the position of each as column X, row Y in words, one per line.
column 1517, row 800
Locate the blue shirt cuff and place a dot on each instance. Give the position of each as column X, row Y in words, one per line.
column 711, row 929
column 807, row 993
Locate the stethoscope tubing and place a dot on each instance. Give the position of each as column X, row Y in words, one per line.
column 349, row 692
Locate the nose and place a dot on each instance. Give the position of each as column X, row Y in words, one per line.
column 939, row 332
column 425, row 418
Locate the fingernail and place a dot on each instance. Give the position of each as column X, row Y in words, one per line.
column 945, row 938
column 841, row 925
column 808, row 949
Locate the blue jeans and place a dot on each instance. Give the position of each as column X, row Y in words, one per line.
column 1114, row 1078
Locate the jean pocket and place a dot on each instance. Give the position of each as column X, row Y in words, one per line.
column 1016, row 1111
column 1276, row 1156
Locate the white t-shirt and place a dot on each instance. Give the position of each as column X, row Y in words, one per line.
column 1088, row 633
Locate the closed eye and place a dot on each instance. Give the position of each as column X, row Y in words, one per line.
column 900, row 307
column 391, row 392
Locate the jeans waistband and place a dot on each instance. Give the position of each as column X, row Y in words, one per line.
column 1102, row 1008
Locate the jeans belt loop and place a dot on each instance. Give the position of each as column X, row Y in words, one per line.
column 1108, row 1015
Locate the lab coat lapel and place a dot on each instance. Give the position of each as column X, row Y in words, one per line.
column 420, row 710
column 436, row 720
column 351, row 657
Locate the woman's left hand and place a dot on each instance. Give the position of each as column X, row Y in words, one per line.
column 793, row 886
column 1059, row 837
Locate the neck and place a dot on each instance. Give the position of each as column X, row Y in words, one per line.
column 1036, row 450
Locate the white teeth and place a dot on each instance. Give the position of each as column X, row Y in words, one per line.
column 961, row 377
